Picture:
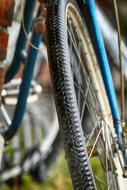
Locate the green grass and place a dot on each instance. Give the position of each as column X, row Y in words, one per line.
column 99, row 172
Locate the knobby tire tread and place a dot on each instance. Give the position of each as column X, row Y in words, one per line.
column 68, row 116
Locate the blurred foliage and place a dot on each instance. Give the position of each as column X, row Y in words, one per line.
column 59, row 177
column 99, row 173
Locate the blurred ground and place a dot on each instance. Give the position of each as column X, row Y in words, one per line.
column 57, row 179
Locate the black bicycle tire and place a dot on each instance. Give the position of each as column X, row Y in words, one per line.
column 67, row 109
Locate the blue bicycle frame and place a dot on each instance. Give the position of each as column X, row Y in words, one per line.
column 21, row 43
column 88, row 9
column 104, row 65
column 28, row 73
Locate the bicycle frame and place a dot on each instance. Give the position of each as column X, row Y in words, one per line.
column 28, row 73
column 90, row 7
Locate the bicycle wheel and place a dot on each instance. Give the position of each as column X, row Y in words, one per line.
column 82, row 106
